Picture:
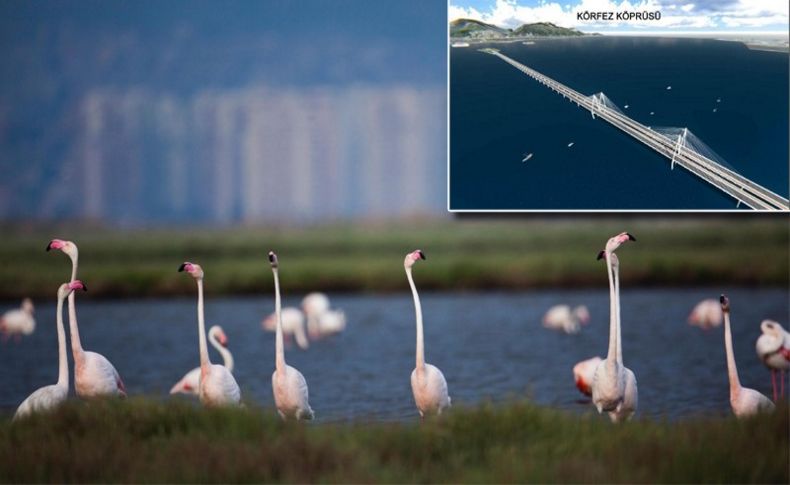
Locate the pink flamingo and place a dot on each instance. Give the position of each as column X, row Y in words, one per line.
column 773, row 348
column 614, row 386
column 49, row 397
column 94, row 375
column 18, row 322
column 216, row 387
column 706, row 314
column 293, row 325
column 427, row 382
column 190, row 383
column 584, row 373
column 291, row 396
column 744, row 401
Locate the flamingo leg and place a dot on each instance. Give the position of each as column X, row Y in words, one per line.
column 773, row 382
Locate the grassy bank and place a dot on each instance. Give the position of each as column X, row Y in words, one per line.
column 141, row 440
column 368, row 257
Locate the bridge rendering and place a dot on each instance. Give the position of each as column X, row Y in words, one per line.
column 743, row 190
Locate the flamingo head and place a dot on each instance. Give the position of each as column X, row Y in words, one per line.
column 612, row 257
column 193, row 269
column 583, row 314
column 27, row 306
column 315, row 304
column 771, row 327
column 273, row 260
column 725, row 303
column 219, row 334
column 66, row 288
column 413, row 257
column 613, row 243
column 67, row 247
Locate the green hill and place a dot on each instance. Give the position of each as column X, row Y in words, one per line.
column 475, row 29
column 545, row 29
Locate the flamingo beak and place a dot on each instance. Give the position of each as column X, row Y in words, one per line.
column 630, row 236
column 421, row 254
column 183, row 267
column 600, row 255
column 223, row 340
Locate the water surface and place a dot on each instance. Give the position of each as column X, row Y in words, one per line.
column 490, row 346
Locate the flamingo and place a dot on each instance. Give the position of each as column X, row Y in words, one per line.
column 49, row 397
column 293, row 324
column 562, row 318
column 321, row 320
column 614, row 385
column 706, row 314
column 427, row 381
column 190, row 383
column 94, row 375
column 584, row 373
column 19, row 321
column 745, row 402
column 773, row 348
column 216, row 385
column 291, row 396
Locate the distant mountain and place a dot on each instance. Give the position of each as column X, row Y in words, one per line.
column 475, row 29
column 544, row 29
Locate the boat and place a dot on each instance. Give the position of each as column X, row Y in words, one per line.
column 529, row 42
column 570, row 144
column 652, row 113
column 669, row 87
column 714, row 110
column 626, row 106
column 527, row 157
column 460, row 44
column 718, row 100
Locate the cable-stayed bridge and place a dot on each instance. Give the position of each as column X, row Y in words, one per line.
column 679, row 145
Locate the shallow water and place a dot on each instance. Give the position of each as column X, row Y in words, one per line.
column 490, row 346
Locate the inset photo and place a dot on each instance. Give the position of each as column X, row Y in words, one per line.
column 643, row 107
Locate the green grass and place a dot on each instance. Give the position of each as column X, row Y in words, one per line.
column 146, row 441
column 465, row 254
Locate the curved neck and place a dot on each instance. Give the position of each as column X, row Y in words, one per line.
column 613, row 329
column 279, row 358
column 63, row 363
column 204, row 360
column 227, row 357
column 618, row 321
column 420, row 357
column 732, row 371
column 76, row 345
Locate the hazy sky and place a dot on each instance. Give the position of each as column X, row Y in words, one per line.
column 676, row 15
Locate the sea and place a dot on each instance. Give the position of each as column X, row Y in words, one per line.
column 733, row 98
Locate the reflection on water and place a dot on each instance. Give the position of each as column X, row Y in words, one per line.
column 490, row 346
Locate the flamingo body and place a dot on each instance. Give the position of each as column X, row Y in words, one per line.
column 331, row 322
column 95, row 376
column 291, row 396
column 293, row 324
column 217, row 386
column 584, row 373
column 42, row 400
column 430, row 390
column 19, row 321
column 706, row 314
column 562, row 318
column 190, row 383
column 773, row 346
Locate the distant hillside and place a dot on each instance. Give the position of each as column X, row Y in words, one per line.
column 544, row 29
column 475, row 29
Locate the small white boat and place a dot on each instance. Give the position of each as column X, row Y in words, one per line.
column 529, row 42
column 527, row 157
column 718, row 100
column 714, row 109
column 570, row 144
column 652, row 113
column 626, row 106
column 669, row 88
column 460, row 44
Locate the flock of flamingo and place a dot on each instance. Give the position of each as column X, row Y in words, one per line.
column 612, row 386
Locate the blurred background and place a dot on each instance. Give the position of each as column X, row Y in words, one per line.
column 152, row 133
column 136, row 113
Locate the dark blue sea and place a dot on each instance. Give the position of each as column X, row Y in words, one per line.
column 498, row 114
